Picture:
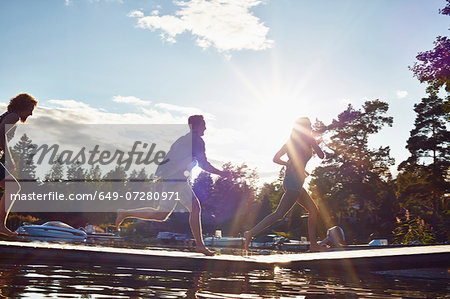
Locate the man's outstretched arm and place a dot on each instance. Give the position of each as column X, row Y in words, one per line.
column 206, row 166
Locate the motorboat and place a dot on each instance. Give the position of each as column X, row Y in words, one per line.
column 293, row 245
column 51, row 231
column 172, row 238
column 95, row 236
column 224, row 242
column 267, row 241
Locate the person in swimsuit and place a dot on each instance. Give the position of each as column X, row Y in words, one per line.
column 177, row 170
column 299, row 149
column 19, row 108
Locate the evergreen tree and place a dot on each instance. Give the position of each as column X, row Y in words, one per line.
column 422, row 184
column 140, row 175
column 94, row 173
column 118, row 173
column 23, row 156
column 56, row 172
column 115, row 180
column 75, row 172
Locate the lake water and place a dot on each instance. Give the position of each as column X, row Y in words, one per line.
column 66, row 281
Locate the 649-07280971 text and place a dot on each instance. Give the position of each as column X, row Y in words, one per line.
column 110, row 195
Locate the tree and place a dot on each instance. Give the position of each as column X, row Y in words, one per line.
column 352, row 186
column 140, row 175
column 23, row 155
column 229, row 201
column 75, row 172
column 429, row 140
column 270, row 194
column 423, row 182
column 202, row 187
column 94, row 173
column 116, row 174
column 434, row 65
column 56, row 172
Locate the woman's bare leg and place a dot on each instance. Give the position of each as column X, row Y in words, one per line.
column 286, row 203
column 313, row 214
column 13, row 189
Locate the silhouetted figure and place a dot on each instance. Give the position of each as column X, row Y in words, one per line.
column 19, row 108
column 299, row 149
column 177, row 169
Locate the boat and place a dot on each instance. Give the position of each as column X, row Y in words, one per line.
column 224, row 242
column 172, row 238
column 293, row 245
column 51, row 231
column 267, row 241
column 95, row 237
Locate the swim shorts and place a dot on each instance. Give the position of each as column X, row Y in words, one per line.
column 292, row 180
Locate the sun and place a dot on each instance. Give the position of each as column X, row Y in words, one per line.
column 274, row 100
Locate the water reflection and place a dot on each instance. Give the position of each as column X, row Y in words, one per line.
column 121, row 282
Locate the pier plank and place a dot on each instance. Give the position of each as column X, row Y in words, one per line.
column 351, row 260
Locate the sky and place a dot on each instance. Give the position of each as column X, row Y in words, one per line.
column 251, row 67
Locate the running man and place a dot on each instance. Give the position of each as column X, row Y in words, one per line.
column 19, row 108
column 176, row 169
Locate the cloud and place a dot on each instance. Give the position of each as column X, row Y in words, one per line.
column 131, row 100
column 70, row 104
column 401, row 94
column 52, row 120
column 227, row 25
column 72, row 112
column 184, row 110
column 136, row 14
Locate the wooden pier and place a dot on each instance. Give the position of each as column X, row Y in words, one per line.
column 352, row 260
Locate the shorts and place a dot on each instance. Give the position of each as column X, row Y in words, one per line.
column 185, row 195
column 292, row 180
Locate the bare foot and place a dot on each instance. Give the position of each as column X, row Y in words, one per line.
column 5, row 231
column 317, row 248
column 119, row 218
column 247, row 241
column 205, row 251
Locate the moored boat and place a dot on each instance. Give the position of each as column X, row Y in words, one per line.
column 224, row 242
column 51, row 231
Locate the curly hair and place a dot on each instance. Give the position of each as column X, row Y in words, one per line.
column 21, row 101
